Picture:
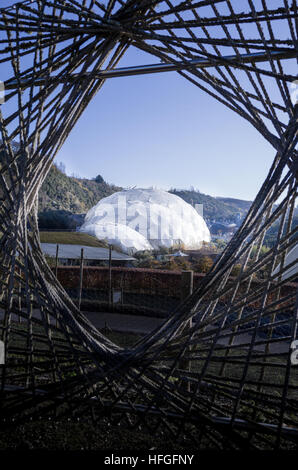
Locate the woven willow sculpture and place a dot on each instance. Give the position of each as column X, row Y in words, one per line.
column 226, row 378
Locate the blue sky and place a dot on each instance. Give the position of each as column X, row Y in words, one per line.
column 161, row 130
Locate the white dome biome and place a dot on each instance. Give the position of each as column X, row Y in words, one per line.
column 146, row 219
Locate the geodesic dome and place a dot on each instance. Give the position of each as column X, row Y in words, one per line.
column 146, row 219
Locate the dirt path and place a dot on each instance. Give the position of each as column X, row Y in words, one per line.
column 123, row 322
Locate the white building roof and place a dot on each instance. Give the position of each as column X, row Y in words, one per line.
column 90, row 252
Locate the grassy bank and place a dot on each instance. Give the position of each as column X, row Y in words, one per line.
column 71, row 238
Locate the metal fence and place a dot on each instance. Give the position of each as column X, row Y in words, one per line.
column 147, row 291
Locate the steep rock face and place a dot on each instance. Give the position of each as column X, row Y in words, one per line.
column 144, row 219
